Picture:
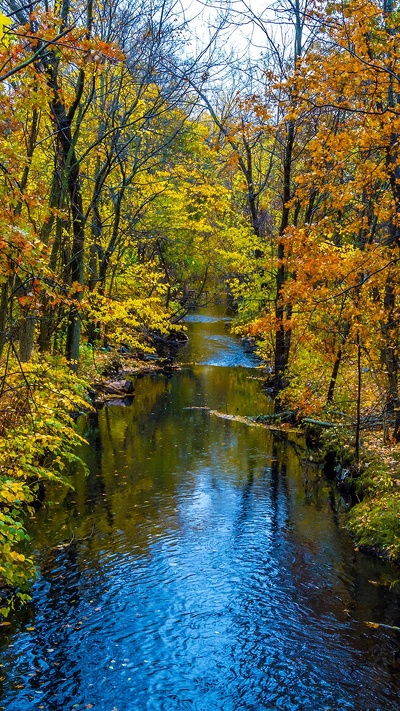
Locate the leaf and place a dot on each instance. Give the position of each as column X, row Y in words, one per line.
column 4, row 23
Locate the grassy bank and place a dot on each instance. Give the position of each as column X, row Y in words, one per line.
column 373, row 484
column 375, row 520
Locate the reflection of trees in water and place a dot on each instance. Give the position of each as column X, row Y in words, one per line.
column 245, row 502
column 149, row 450
column 140, row 457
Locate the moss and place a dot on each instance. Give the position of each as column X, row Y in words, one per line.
column 336, row 443
column 375, row 520
column 375, row 523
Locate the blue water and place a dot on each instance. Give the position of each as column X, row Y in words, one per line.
column 211, row 344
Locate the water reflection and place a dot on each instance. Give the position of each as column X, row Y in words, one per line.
column 199, row 566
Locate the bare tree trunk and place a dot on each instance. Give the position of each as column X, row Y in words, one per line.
column 359, row 384
column 70, row 168
column 389, row 355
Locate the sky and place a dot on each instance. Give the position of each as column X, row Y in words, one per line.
column 204, row 15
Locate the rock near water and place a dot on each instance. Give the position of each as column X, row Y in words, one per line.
column 119, row 387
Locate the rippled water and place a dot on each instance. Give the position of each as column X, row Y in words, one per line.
column 200, row 565
column 210, row 343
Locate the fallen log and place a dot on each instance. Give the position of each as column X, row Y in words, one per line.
column 250, row 421
column 320, row 423
column 279, row 416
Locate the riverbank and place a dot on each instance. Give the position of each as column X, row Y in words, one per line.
column 371, row 486
column 374, row 520
column 367, row 473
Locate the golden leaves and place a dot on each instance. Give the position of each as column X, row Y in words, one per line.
column 5, row 22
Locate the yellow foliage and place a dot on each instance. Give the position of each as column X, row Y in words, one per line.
column 5, row 22
column 37, row 438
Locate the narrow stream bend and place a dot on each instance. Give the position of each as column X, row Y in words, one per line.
column 200, row 565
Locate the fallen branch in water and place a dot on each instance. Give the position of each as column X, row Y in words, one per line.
column 250, row 421
column 320, row 423
column 60, row 546
column 280, row 416
column 199, row 407
column 375, row 626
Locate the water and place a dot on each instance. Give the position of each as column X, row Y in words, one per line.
column 211, row 344
column 200, row 565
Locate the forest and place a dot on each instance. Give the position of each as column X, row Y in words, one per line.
column 145, row 169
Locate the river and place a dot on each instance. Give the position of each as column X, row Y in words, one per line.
column 200, row 565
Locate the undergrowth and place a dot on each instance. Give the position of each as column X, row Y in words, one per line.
column 37, row 444
column 375, row 520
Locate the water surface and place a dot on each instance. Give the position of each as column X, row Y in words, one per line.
column 200, row 565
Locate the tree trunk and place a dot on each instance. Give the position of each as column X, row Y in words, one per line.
column 56, row 201
column 3, row 315
column 283, row 334
column 389, row 355
column 26, row 333
column 336, row 365
column 282, row 339
column 359, row 384
column 390, row 328
column 70, row 167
